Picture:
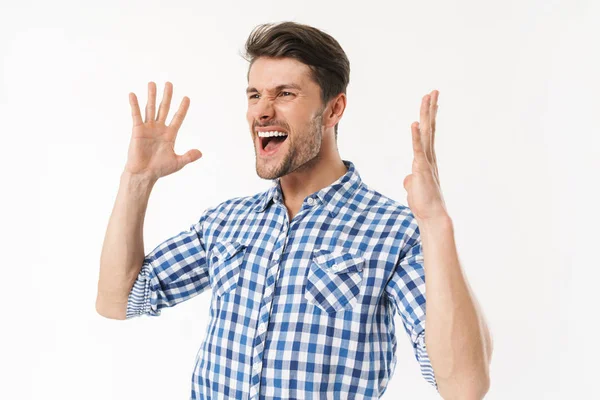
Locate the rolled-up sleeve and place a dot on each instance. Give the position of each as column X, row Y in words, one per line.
column 175, row 271
column 406, row 291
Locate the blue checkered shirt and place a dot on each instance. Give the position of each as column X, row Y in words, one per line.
column 300, row 309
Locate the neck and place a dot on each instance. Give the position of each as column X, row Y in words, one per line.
column 311, row 177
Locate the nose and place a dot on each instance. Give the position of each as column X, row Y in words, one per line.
column 263, row 110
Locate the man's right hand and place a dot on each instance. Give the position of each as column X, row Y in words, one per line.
column 152, row 146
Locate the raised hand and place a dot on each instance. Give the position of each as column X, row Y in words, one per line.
column 151, row 151
column 425, row 198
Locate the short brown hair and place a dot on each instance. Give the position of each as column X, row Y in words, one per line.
column 328, row 63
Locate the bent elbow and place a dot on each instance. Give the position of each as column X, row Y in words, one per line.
column 474, row 387
column 111, row 310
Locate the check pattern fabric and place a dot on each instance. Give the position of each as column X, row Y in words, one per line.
column 300, row 309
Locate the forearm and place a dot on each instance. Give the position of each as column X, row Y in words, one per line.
column 456, row 335
column 123, row 249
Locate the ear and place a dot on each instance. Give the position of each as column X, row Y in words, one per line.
column 334, row 112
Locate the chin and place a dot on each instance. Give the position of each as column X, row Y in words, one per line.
column 273, row 168
column 264, row 172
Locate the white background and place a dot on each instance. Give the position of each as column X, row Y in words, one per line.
column 517, row 146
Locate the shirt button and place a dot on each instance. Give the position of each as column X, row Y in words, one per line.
column 256, row 367
column 335, row 267
column 311, row 201
column 275, row 257
column 261, row 328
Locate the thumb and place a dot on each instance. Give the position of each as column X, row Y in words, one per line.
column 188, row 157
column 407, row 181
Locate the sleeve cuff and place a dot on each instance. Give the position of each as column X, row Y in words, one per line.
column 423, row 358
column 142, row 299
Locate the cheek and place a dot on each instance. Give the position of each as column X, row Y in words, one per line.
column 293, row 116
column 301, row 115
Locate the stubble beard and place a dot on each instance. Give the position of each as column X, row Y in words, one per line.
column 297, row 155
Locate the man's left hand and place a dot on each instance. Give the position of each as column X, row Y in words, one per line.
column 425, row 198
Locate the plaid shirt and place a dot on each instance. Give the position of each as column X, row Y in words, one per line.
column 300, row 309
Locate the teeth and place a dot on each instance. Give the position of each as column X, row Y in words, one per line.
column 271, row 134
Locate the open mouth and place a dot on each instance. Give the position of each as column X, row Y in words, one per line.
column 270, row 144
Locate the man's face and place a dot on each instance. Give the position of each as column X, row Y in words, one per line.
column 283, row 98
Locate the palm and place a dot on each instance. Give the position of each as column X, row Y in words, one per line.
column 152, row 146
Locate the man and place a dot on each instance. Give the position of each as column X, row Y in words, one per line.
column 307, row 276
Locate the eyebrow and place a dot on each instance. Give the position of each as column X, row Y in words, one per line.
column 277, row 88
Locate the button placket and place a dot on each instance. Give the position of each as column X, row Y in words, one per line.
column 268, row 291
column 272, row 271
column 266, row 305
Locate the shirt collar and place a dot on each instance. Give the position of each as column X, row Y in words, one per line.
column 332, row 197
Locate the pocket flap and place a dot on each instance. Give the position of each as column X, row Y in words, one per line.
column 338, row 261
column 226, row 261
column 223, row 251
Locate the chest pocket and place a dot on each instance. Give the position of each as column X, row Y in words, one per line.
column 334, row 280
column 226, row 261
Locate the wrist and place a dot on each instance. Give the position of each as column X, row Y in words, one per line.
column 440, row 222
column 137, row 181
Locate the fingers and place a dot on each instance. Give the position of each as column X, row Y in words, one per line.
column 165, row 104
column 433, row 112
column 423, row 137
column 180, row 114
column 151, row 104
column 424, row 125
column 135, row 110
column 434, row 108
column 416, row 140
column 427, row 124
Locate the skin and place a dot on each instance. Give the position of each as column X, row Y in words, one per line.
column 457, row 337
column 309, row 159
